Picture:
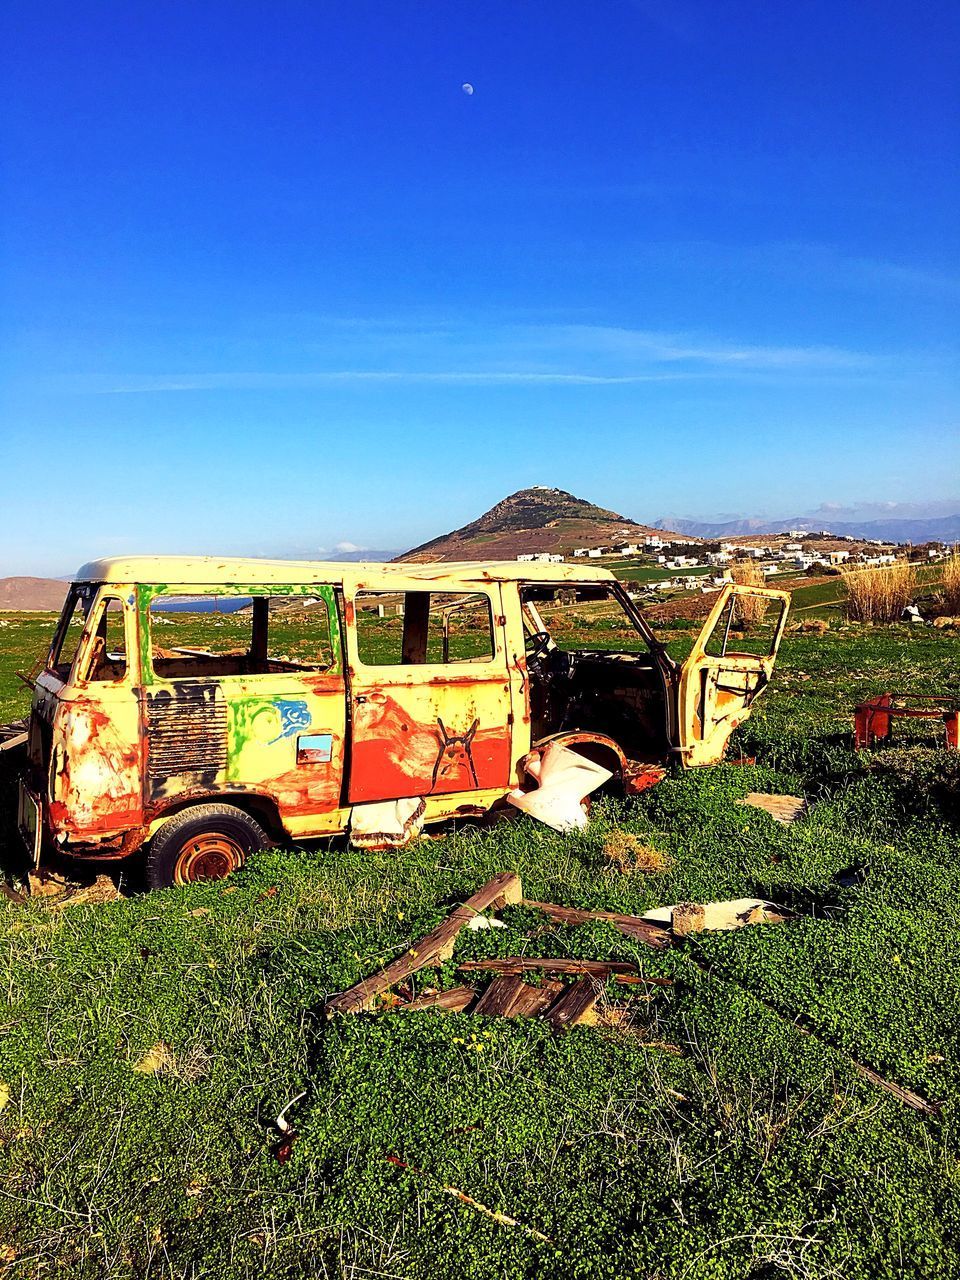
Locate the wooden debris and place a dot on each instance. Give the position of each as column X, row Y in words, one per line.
column 783, row 809
column 454, row 1000
column 47, row 884
column 11, row 894
column 548, row 964
column 576, row 1005
column 66, row 893
column 635, row 927
column 704, row 917
column 532, row 1001
column 436, row 947
column 806, row 1027
column 906, row 1096
column 501, row 995
column 504, row 1219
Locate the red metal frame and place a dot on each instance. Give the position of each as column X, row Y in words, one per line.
column 873, row 719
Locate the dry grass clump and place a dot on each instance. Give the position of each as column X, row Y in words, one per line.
column 951, row 583
column 627, row 853
column 881, row 594
column 747, row 573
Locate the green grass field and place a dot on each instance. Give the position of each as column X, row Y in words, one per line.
column 713, row 1138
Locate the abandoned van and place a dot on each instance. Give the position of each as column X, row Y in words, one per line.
column 197, row 710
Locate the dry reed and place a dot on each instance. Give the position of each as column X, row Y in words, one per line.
column 750, row 609
column 881, row 594
column 951, row 583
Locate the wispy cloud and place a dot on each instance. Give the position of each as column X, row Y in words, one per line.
column 450, row 353
column 815, row 265
column 238, row 381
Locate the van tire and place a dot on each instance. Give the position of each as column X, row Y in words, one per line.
column 205, row 842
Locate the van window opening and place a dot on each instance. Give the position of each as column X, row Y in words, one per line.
column 207, row 635
column 107, row 658
column 581, row 617
column 423, row 628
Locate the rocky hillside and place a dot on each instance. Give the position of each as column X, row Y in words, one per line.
column 32, row 593
column 531, row 520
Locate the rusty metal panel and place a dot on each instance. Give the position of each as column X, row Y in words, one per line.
column 186, row 732
column 412, row 739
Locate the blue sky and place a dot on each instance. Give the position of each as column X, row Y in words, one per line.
column 271, row 281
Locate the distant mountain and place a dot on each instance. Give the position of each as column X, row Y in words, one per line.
column 891, row 529
column 32, row 594
column 363, row 553
column 529, row 521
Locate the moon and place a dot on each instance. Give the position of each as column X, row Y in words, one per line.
column 467, row 89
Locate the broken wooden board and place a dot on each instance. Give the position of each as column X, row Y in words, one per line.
column 703, row 917
column 436, row 947
column 501, row 995
column 639, row 928
column 453, row 1000
column 548, row 964
column 533, row 1001
column 783, row 809
column 577, row 1005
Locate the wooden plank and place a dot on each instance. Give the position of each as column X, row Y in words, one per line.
column 548, row 964
column 535, row 1000
column 654, row 935
column 11, row 744
column 576, row 1005
column 497, row 1000
column 783, row 809
column 436, row 947
column 453, row 1000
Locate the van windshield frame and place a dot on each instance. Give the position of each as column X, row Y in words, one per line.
column 84, row 595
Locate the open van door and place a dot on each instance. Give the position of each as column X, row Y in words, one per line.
column 728, row 668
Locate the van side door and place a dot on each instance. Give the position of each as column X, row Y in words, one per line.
column 429, row 691
column 728, row 668
column 245, row 692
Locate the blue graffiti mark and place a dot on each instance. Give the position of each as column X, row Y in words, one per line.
column 294, row 715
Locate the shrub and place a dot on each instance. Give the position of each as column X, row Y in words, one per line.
column 881, row 594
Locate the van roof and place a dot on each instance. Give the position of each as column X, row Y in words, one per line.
column 209, row 570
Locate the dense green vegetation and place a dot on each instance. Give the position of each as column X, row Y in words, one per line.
column 712, row 1138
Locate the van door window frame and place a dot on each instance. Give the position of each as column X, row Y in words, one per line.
column 481, row 665
column 327, row 592
column 85, row 651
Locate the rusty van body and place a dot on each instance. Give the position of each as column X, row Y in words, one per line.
column 202, row 708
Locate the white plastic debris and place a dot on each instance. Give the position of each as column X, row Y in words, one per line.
column 564, row 779
column 387, row 824
column 485, row 922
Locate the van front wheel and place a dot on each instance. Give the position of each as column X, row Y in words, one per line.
column 203, row 843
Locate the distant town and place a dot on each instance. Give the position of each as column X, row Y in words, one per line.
column 704, row 566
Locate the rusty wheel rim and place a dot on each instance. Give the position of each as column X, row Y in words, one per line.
column 210, row 856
